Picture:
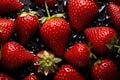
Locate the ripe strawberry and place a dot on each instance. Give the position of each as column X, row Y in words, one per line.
column 7, row 28
column 8, row 6
column 105, row 69
column 14, row 56
column 5, row 77
column 32, row 76
column 99, row 37
column 78, row 55
column 45, row 62
column 67, row 72
column 114, row 11
column 55, row 32
column 49, row 2
column 81, row 13
column 26, row 25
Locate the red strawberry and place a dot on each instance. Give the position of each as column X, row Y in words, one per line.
column 55, row 32
column 78, row 55
column 45, row 62
column 5, row 77
column 26, row 25
column 7, row 28
column 49, row 2
column 99, row 37
column 114, row 11
column 67, row 72
column 32, row 76
column 8, row 6
column 105, row 70
column 81, row 13
column 14, row 56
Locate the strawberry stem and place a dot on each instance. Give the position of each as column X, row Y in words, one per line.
column 46, row 7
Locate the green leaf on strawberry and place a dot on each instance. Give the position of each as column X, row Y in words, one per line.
column 44, row 19
column 112, row 42
column 46, row 62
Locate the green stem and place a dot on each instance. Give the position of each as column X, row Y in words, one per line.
column 46, row 7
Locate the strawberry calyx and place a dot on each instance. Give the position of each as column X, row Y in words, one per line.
column 92, row 55
column 23, row 14
column 47, row 63
column 114, row 44
column 97, row 62
column 44, row 19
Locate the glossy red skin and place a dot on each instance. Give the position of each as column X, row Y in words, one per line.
column 36, row 58
column 8, row 6
column 26, row 27
column 81, row 13
column 106, row 70
column 55, row 33
column 67, row 72
column 14, row 56
column 32, row 76
column 5, row 77
column 114, row 11
column 78, row 55
column 7, row 27
column 49, row 2
column 99, row 37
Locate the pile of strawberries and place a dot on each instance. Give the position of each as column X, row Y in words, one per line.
column 54, row 57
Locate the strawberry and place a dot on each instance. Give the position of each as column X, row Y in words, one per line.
column 8, row 6
column 114, row 11
column 105, row 69
column 67, row 72
column 45, row 62
column 26, row 25
column 49, row 2
column 99, row 37
column 7, row 28
column 55, row 32
column 14, row 56
column 81, row 13
column 78, row 55
column 31, row 76
column 5, row 77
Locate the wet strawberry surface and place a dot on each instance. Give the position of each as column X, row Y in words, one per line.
column 36, row 44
